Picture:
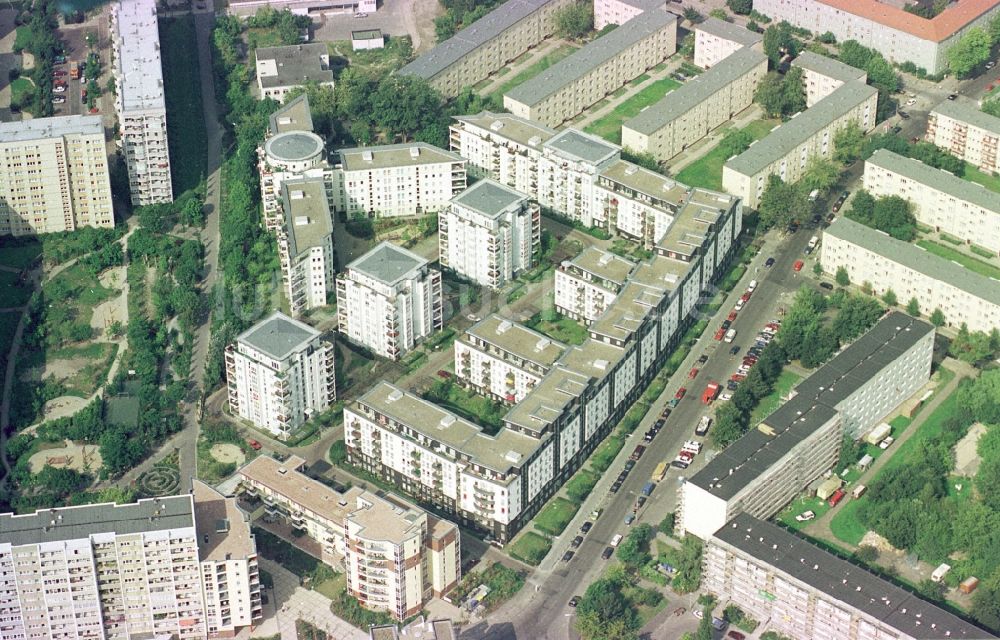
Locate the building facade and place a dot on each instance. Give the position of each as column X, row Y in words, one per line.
column 281, row 69
column 54, row 176
column 872, row 256
column 822, row 75
column 396, row 556
column 315, row 9
column 961, row 129
column 144, row 569
column 964, row 209
column 715, row 40
column 787, row 150
column 280, row 373
column 305, row 244
column 766, row 468
column 490, row 233
column 139, row 101
column 621, row 11
column 588, row 284
column 388, row 300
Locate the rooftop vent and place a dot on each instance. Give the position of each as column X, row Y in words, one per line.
column 447, row 421
column 600, row 365
column 414, row 152
column 367, row 156
column 297, row 194
column 282, row 470
column 503, row 327
column 512, row 456
column 496, row 126
column 395, row 395
column 301, row 221
column 542, row 344
column 631, row 169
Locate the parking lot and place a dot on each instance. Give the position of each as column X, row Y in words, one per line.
column 76, row 50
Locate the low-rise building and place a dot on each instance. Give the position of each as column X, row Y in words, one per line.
column 490, row 233
column 388, row 300
column 396, row 556
column 419, row 629
column 315, row 9
column 966, row 210
column 690, row 112
column 280, row 373
column 504, row 360
column 715, row 40
column 588, row 284
column 869, row 255
column 961, row 129
column 597, row 69
column 388, row 181
column 822, row 75
column 787, row 150
column 366, row 39
column 765, row 469
column 305, row 244
column 281, row 69
column 621, row 11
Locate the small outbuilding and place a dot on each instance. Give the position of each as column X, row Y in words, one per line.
column 829, row 487
column 367, row 39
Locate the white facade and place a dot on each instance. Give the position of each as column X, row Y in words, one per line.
column 490, row 234
column 139, row 102
column 822, row 75
column 589, row 283
column 305, row 244
column 289, row 155
column 54, row 176
column 388, row 300
column 280, row 373
column 315, row 9
column 961, row 129
column 715, row 40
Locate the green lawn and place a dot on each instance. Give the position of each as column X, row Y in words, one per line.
column 396, row 53
column 182, row 88
column 609, row 127
column 564, row 329
column 605, row 454
column 967, row 261
column 18, row 89
column 13, row 291
column 973, row 174
column 22, row 37
column 555, row 516
column 846, row 525
column 706, row 172
column 530, row 548
column 539, row 66
column 771, row 401
column 799, row 505
column 20, row 256
column 284, row 553
column 333, row 587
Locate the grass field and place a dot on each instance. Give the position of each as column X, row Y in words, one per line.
column 973, row 174
column 396, row 53
column 706, row 172
column 20, row 256
column 539, row 66
column 18, row 89
column 967, row 261
column 13, row 292
column 564, row 329
column 22, row 37
column 555, row 516
column 771, row 401
column 182, row 87
column 530, row 548
column 609, row 127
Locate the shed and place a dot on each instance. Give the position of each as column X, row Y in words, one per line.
column 969, row 584
column 865, row 462
column 367, row 39
column 828, row 488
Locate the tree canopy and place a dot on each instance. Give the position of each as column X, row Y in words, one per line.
column 782, row 94
column 575, row 20
column 740, row 7
column 779, row 39
column 971, row 50
column 848, row 143
column 891, row 214
column 781, row 203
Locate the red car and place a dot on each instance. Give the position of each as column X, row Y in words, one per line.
column 836, row 497
column 720, row 334
column 57, row 73
column 444, row 374
column 693, row 373
column 256, row 446
column 732, row 316
column 680, row 393
column 738, row 377
column 745, row 297
column 798, row 265
column 736, row 635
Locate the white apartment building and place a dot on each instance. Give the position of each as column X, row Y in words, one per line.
column 961, row 129
column 765, row 469
column 805, row 592
column 490, row 233
column 690, row 112
column 315, row 9
column 504, row 360
column 872, row 256
column 715, row 40
column 966, row 210
column 388, row 300
column 503, row 147
column 621, row 11
column 900, row 36
column 588, row 284
column 396, row 556
column 152, row 568
column 54, row 176
column 787, row 150
column 411, row 179
column 281, row 69
column 822, row 75
column 305, row 244
column 139, row 102
column 567, row 175
column 280, row 373
column 597, row 69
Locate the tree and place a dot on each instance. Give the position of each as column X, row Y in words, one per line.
column 827, row 37
column 740, row 7
column 930, row 590
column 666, row 525
column 704, row 631
column 778, row 40
column 991, row 107
column 575, row 20
column 821, row 174
column 794, row 91
column 866, row 553
column 842, row 278
column 720, row 14
column 633, row 551
column 691, row 15
column 913, row 307
column 937, row 317
column 972, row 346
column 780, row 203
column 686, row 48
column 736, row 141
column 889, row 297
column 891, row 214
column 730, row 425
column 972, row 50
column 848, row 143
column 781, row 95
column 688, row 576
column 981, row 398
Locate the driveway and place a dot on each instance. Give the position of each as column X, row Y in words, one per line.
column 394, row 17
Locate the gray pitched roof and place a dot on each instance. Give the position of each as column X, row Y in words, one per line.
column 489, row 198
column 913, row 257
column 294, row 115
column 387, row 263
column 278, row 335
column 297, row 64
column 729, row 31
column 937, row 179
column 829, row 67
column 965, row 110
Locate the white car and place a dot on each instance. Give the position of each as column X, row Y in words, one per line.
column 885, row 444
column 806, row 516
column 58, row 100
column 911, row 102
column 59, row 89
column 991, row 64
column 726, row 396
column 83, row 79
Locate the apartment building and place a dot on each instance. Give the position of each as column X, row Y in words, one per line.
column 54, row 176
column 900, row 36
column 152, row 568
column 872, row 256
column 419, row 629
column 139, row 102
column 588, row 284
column 388, row 300
column 487, row 45
column 305, row 244
column 567, row 174
column 715, row 40
column 621, row 11
column 280, row 373
column 490, row 233
column 595, row 70
column 800, row 441
column 504, row 360
column 961, row 129
column 941, row 200
column 822, row 75
column 503, row 147
column 805, row 592
column 315, row 9
column 387, row 181
column 787, row 150
column 281, row 69
column 690, row 112
column 396, row 556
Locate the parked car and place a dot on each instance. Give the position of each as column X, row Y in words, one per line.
column 703, row 358
column 720, row 334
column 798, row 265
column 952, row 96
column 680, row 393
column 903, row 115
column 826, row 285
column 615, row 487
column 732, row 385
column 805, row 516
column 607, row 553
column 638, row 451
column 616, row 540
column 733, row 350
column 59, row 89
column 567, row 556
column 58, row 100
column 726, row 397
column 736, row 635
column 726, row 323
column 587, row 526
column 629, row 519
column 575, row 600
column 641, row 501
column 596, row 513
column 577, row 541
column 885, row 444
column 836, row 497
column 693, row 373
column 256, row 446
column 444, row 374
column 732, row 316
column 769, row 262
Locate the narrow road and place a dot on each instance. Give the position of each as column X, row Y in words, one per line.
column 8, row 384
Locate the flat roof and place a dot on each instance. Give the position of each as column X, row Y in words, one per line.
column 410, row 154
column 489, row 198
column 514, row 128
column 786, row 137
column 548, row 400
column 958, row 15
column 223, row 529
column 367, row 34
column 660, row 273
column 79, row 523
column 517, row 339
column 593, row 358
column 137, row 57
column 603, row 264
column 661, row 189
column 56, row 127
column 966, row 110
column 913, row 257
column 829, row 67
column 388, row 263
column 579, row 146
column 591, row 56
column 307, row 214
column 294, row 145
column 843, row 581
column 686, row 235
column 682, row 100
column 278, row 335
column 297, row 64
column 630, row 309
column 937, row 179
column 729, row 31
column 294, row 115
